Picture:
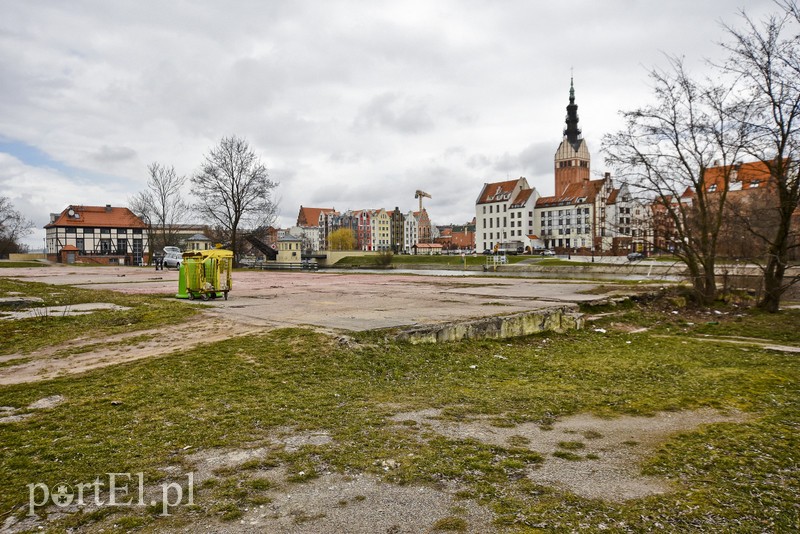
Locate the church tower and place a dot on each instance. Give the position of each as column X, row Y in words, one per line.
column 572, row 157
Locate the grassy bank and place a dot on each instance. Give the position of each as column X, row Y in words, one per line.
column 150, row 415
column 20, row 264
column 401, row 260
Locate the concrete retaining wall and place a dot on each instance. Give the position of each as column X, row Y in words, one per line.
column 335, row 255
column 558, row 319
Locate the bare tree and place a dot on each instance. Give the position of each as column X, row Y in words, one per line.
column 161, row 206
column 234, row 189
column 766, row 59
column 13, row 227
column 663, row 153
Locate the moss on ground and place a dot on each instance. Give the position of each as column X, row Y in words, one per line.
column 146, row 415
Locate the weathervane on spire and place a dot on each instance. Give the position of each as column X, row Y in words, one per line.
column 571, row 85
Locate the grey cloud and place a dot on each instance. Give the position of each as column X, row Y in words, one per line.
column 395, row 112
column 108, row 154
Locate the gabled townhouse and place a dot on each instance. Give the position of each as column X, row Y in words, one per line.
column 311, row 227
column 424, row 234
column 397, row 231
column 569, row 220
column 410, row 232
column 380, row 230
column 504, row 213
column 373, row 229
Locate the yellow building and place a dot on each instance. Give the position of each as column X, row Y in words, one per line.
column 290, row 249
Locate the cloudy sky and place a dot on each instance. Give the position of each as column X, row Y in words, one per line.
column 349, row 104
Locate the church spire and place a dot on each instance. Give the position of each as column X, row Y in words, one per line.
column 572, row 133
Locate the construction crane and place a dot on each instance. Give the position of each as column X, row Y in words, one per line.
column 420, row 194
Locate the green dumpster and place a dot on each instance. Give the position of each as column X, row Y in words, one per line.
column 205, row 274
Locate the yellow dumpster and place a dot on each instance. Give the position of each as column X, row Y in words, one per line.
column 205, row 274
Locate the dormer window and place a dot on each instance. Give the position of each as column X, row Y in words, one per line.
column 712, row 188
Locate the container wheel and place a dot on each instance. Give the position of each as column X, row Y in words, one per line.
column 225, row 295
column 191, row 295
column 204, row 296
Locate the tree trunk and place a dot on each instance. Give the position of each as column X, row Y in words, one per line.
column 710, row 289
column 773, row 285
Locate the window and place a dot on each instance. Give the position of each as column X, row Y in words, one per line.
column 91, row 230
column 712, row 188
column 484, row 210
column 490, row 209
column 70, row 230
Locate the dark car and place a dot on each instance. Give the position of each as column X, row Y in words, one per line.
column 635, row 256
column 487, row 252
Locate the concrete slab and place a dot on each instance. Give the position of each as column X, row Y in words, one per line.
column 340, row 301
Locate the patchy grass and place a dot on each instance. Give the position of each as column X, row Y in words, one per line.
column 26, row 335
column 742, row 477
column 450, row 524
column 21, row 264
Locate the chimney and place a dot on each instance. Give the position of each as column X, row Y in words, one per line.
column 53, row 217
column 108, row 208
column 607, row 175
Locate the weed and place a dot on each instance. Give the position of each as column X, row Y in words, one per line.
column 450, row 524
column 567, row 455
column 571, row 445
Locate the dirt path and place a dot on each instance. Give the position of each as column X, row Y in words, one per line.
column 591, row 457
column 84, row 354
column 737, row 340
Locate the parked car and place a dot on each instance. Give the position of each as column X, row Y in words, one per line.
column 635, row 256
column 172, row 259
column 547, row 253
column 487, row 252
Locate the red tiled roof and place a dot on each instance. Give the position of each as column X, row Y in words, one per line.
column 612, row 198
column 522, row 197
column 586, row 190
column 311, row 215
column 497, row 191
column 754, row 172
column 97, row 217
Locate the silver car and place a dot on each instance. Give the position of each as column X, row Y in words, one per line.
column 173, row 260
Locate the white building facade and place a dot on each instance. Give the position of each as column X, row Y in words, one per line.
column 504, row 215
